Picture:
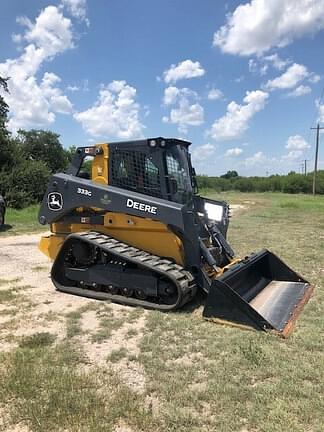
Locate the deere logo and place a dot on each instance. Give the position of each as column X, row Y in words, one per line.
column 55, row 201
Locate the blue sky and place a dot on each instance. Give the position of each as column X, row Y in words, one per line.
column 240, row 80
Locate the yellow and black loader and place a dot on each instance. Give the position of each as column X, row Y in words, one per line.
column 134, row 230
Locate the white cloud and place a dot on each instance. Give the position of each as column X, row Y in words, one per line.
column 236, row 151
column 314, row 78
column 170, row 95
column 258, row 158
column 114, row 114
column 215, row 94
column 239, row 79
column 320, row 109
column 292, row 155
column 16, row 38
column 51, row 32
column 257, row 68
column 300, row 91
column 276, row 61
column 289, row 79
column 261, row 162
column 203, row 152
column 188, row 111
column 297, row 142
column 77, row 8
column 72, row 88
column 187, row 115
column 257, row 26
column 58, row 102
column 236, row 120
column 260, row 65
column 183, row 70
column 34, row 104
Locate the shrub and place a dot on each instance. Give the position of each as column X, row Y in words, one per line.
column 25, row 184
column 296, row 183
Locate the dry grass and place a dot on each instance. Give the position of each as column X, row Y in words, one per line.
column 194, row 375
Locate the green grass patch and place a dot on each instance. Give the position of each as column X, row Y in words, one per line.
column 116, row 355
column 39, row 268
column 9, row 281
column 107, row 324
column 37, row 340
column 7, row 295
column 44, row 389
column 73, row 324
column 289, row 204
column 131, row 333
column 22, row 221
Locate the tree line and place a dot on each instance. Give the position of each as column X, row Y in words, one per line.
column 291, row 183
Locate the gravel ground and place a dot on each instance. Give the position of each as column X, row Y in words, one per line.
column 40, row 308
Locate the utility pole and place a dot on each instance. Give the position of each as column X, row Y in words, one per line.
column 318, row 128
column 304, row 164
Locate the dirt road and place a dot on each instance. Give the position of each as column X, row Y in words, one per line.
column 30, row 305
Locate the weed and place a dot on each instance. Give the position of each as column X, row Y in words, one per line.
column 131, row 333
column 39, row 268
column 9, row 281
column 7, row 295
column 134, row 314
column 116, row 355
column 73, row 324
column 106, row 326
column 289, row 204
column 37, row 340
column 252, row 352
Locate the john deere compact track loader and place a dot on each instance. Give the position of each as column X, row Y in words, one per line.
column 135, row 231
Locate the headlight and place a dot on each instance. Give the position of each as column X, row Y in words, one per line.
column 214, row 211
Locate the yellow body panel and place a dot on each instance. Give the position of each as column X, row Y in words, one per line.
column 145, row 234
column 100, row 164
column 51, row 244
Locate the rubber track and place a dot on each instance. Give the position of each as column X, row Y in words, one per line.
column 181, row 278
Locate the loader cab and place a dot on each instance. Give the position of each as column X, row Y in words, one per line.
column 156, row 167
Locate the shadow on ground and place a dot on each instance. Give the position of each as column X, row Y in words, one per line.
column 5, row 227
column 198, row 302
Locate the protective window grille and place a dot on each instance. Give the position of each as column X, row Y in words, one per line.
column 134, row 170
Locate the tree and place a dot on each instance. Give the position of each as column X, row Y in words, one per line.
column 296, row 183
column 40, row 145
column 230, row 174
column 70, row 152
column 26, row 183
column 4, row 108
column 6, row 146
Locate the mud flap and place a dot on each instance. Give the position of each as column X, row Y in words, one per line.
column 261, row 292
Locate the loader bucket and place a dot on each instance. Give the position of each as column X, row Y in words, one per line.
column 260, row 291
